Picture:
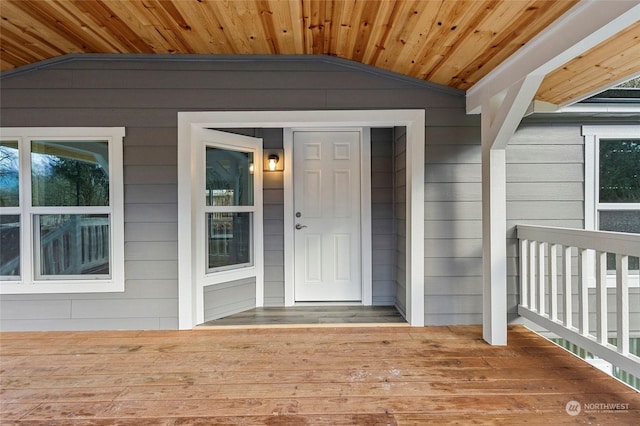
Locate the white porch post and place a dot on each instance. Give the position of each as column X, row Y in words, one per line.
column 494, row 247
column 501, row 115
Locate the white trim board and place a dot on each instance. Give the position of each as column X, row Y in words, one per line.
column 413, row 120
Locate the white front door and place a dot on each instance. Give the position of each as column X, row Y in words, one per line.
column 327, row 216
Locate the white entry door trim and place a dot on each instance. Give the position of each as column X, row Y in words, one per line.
column 365, row 211
column 413, row 120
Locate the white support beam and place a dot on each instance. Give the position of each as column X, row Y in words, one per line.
column 501, row 116
column 494, row 247
column 584, row 26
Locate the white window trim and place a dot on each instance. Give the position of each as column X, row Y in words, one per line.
column 28, row 282
column 195, row 210
column 413, row 120
column 592, row 136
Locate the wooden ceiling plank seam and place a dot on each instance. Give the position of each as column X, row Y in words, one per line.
column 258, row 36
column 297, row 26
column 280, row 18
column 337, row 29
column 524, row 30
column 168, row 24
column 206, row 15
column 396, row 43
column 525, row 25
column 596, row 86
column 343, row 29
column 10, row 51
column 422, row 50
column 140, row 12
column 481, row 38
column 23, row 35
column 571, row 85
column 464, row 29
column 603, row 57
column 314, row 26
column 266, row 17
column 307, row 33
column 211, row 32
column 138, row 23
column 31, row 22
column 174, row 25
column 584, row 26
column 249, row 24
column 77, row 28
column 446, row 20
column 15, row 38
column 223, row 13
column 364, row 31
column 121, row 36
column 327, row 26
column 415, row 43
column 386, row 19
column 516, row 35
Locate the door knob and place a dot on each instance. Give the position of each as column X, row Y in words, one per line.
column 299, row 226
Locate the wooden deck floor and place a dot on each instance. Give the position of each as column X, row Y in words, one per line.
column 291, row 376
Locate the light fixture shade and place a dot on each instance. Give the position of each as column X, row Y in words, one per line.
column 273, row 160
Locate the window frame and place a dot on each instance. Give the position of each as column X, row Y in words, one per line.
column 29, row 281
column 592, row 205
column 248, row 208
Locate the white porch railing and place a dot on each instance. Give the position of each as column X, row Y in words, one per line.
column 541, row 248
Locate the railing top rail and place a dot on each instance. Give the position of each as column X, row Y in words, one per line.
column 605, row 241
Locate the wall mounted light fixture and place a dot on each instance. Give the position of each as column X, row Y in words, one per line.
column 273, row 160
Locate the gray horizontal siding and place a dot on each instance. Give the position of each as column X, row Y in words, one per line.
column 383, row 239
column 273, row 195
column 399, row 224
column 144, row 95
column 453, row 227
column 225, row 299
column 545, row 177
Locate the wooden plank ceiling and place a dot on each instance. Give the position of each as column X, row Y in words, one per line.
column 451, row 42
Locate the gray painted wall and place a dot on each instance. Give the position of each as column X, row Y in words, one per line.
column 453, row 227
column 145, row 94
column 225, row 299
column 399, row 215
column 383, row 233
column 545, row 186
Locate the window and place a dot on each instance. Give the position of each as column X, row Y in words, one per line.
column 61, row 210
column 612, row 182
column 229, row 208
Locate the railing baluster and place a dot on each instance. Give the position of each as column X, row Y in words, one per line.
column 622, row 289
column 524, row 274
column 532, row 275
column 583, row 292
column 552, row 262
column 577, row 324
column 567, row 291
column 601, row 297
column 541, row 278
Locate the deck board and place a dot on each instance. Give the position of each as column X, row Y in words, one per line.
column 331, row 375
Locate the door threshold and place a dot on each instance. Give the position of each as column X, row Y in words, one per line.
column 311, row 316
